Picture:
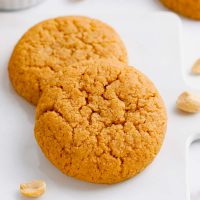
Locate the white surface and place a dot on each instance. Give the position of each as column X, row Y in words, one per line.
column 194, row 167
column 155, row 51
column 191, row 43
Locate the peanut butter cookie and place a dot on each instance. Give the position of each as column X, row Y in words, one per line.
column 100, row 122
column 52, row 45
column 187, row 8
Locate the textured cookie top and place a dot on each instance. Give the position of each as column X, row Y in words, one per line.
column 188, row 8
column 52, row 45
column 100, row 122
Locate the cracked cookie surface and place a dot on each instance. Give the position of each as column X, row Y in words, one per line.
column 52, row 45
column 101, row 122
column 187, row 8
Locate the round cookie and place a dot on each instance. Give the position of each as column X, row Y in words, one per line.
column 52, row 45
column 187, row 8
column 100, row 122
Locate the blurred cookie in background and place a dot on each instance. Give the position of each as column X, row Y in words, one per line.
column 187, row 8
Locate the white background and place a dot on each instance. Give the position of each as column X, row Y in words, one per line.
column 191, row 50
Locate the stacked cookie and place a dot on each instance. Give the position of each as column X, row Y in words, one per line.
column 97, row 119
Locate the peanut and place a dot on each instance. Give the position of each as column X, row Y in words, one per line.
column 33, row 189
column 196, row 67
column 188, row 102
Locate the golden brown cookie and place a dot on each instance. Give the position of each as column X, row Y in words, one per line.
column 187, row 8
column 100, row 122
column 52, row 45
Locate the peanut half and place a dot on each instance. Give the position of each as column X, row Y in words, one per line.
column 34, row 188
column 188, row 102
column 196, row 67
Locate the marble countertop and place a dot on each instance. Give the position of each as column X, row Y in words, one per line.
column 191, row 50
